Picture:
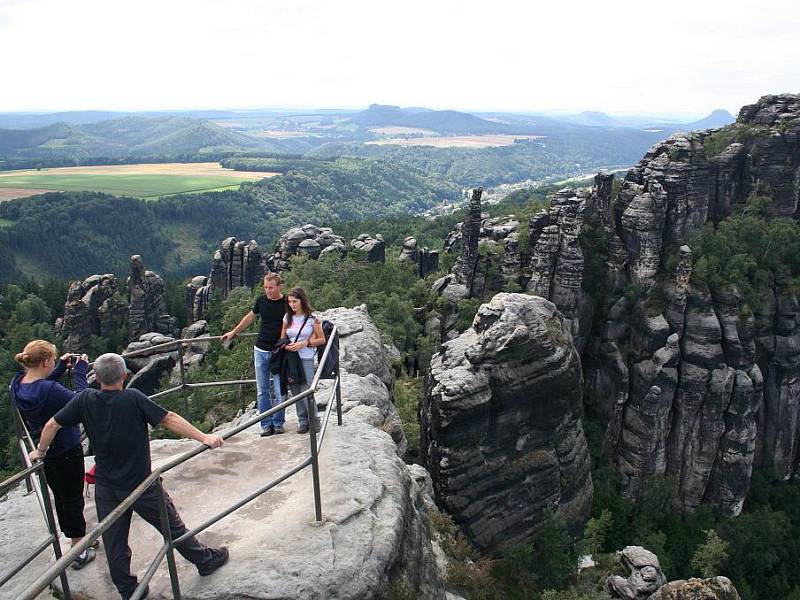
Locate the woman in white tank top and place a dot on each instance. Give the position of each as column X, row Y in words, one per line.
column 300, row 324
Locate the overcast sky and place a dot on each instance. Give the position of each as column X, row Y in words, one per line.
column 620, row 57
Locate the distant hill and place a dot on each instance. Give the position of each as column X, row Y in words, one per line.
column 448, row 122
column 130, row 136
column 718, row 118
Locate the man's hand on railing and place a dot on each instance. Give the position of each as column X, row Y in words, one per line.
column 212, row 441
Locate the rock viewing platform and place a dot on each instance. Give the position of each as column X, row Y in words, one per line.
column 374, row 534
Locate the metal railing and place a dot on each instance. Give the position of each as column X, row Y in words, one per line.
column 167, row 550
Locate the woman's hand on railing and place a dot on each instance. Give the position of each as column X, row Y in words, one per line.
column 212, row 441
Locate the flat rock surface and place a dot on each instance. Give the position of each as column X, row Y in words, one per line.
column 277, row 549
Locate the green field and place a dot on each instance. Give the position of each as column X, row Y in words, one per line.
column 138, row 185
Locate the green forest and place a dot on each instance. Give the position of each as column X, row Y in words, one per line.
column 759, row 550
column 79, row 233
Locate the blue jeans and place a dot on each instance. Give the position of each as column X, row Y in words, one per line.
column 298, row 388
column 269, row 390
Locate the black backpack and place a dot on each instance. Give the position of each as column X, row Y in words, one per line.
column 330, row 368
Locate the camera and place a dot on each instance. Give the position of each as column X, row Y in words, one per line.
column 72, row 359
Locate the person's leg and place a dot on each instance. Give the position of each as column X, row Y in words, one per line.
column 72, row 495
column 279, row 418
column 115, row 539
column 147, row 507
column 302, row 406
column 55, row 481
column 261, row 365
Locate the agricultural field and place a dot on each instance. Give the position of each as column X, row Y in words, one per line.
column 457, row 141
column 139, row 180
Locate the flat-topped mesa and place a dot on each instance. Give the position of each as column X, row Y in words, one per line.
column 99, row 306
column 310, row 240
column 236, row 264
column 373, row 247
column 500, row 424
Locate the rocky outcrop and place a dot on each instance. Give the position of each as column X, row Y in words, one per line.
column 374, row 540
column 235, row 264
column 100, row 307
column 466, row 265
column 361, row 350
column 151, row 367
column 374, row 247
column 147, row 302
column 713, row 588
column 556, row 258
column 647, row 582
column 95, row 306
column 688, row 381
column 310, row 240
column 645, row 576
column 427, row 260
column 501, row 431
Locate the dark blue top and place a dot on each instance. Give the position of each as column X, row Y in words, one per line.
column 43, row 398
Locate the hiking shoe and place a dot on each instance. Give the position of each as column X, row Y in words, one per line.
column 220, row 557
column 279, row 429
column 302, row 429
column 268, row 431
column 84, row 558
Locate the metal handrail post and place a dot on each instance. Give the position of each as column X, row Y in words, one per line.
column 183, row 382
column 311, row 404
column 16, row 418
column 51, row 526
column 167, row 531
column 338, row 394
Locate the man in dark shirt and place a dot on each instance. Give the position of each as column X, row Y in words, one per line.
column 116, row 420
column 271, row 307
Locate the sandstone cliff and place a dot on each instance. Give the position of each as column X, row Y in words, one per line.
column 501, row 429
column 687, row 381
column 100, row 307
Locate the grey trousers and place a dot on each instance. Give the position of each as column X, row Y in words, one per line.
column 115, row 539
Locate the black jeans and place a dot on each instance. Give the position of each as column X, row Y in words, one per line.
column 115, row 539
column 65, row 478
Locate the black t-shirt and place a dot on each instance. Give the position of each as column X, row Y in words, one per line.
column 116, row 423
column 271, row 313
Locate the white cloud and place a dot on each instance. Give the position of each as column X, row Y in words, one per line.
column 616, row 56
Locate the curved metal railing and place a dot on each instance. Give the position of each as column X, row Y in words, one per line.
column 58, row 569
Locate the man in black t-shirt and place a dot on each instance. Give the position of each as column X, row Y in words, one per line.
column 116, row 421
column 271, row 307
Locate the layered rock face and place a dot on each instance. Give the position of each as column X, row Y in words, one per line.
column 691, row 178
column 688, row 381
column 236, row 264
column 310, row 240
column 147, row 302
column 94, row 307
column 556, row 258
column 100, row 306
column 501, row 432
